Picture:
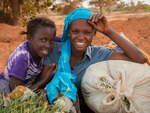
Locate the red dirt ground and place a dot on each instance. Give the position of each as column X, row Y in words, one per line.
column 134, row 26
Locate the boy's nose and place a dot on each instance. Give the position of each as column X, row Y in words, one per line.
column 47, row 44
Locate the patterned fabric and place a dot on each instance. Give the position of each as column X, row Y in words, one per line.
column 21, row 65
column 4, row 87
column 57, row 38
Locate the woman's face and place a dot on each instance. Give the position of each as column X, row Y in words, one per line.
column 81, row 34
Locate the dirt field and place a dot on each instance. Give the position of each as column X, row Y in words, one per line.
column 134, row 26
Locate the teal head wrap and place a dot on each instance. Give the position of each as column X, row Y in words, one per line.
column 75, row 14
column 63, row 78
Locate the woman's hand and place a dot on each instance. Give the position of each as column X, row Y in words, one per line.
column 99, row 22
column 77, row 104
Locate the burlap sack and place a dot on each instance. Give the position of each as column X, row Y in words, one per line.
column 117, row 86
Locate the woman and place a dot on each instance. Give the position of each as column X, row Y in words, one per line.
column 77, row 53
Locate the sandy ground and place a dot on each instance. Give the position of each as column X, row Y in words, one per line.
column 134, row 26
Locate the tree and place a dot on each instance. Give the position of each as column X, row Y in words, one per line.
column 136, row 7
column 109, row 3
column 17, row 9
column 103, row 3
column 73, row 3
column 70, row 5
column 121, row 6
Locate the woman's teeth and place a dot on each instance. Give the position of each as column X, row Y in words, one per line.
column 79, row 43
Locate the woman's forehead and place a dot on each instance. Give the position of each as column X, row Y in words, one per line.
column 80, row 23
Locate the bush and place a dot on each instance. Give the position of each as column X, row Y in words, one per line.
column 32, row 104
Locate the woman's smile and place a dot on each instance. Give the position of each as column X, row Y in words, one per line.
column 81, row 34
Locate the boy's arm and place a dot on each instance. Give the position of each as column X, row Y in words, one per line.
column 46, row 76
column 13, row 82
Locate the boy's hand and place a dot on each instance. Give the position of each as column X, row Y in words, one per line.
column 48, row 72
column 99, row 22
column 53, row 67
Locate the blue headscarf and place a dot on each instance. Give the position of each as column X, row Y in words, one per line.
column 75, row 14
column 63, row 78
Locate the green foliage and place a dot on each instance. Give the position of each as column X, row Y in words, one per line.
column 6, row 6
column 32, row 104
column 103, row 4
column 127, row 102
column 147, row 8
column 29, row 8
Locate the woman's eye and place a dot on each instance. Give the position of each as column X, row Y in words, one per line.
column 87, row 32
column 74, row 31
column 52, row 42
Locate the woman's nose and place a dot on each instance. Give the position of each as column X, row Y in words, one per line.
column 81, row 35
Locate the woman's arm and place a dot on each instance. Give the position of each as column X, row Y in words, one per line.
column 130, row 51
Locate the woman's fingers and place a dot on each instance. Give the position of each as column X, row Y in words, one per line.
column 90, row 18
column 93, row 24
column 101, row 16
column 96, row 17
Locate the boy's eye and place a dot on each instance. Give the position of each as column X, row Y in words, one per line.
column 43, row 39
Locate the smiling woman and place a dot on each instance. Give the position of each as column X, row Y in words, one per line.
column 76, row 53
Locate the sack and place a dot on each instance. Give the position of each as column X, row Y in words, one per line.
column 65, row 104
column 117, row 86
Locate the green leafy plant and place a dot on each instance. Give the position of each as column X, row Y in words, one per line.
column 127, row 102
column 32, row 104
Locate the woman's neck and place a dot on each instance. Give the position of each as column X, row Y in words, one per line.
column 76, row 57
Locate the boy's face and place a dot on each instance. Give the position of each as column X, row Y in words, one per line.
column 42, row 42
column 81, row 34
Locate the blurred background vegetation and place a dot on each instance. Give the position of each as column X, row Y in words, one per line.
column 16, row 12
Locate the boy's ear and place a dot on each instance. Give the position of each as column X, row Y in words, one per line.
column 29, row 38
